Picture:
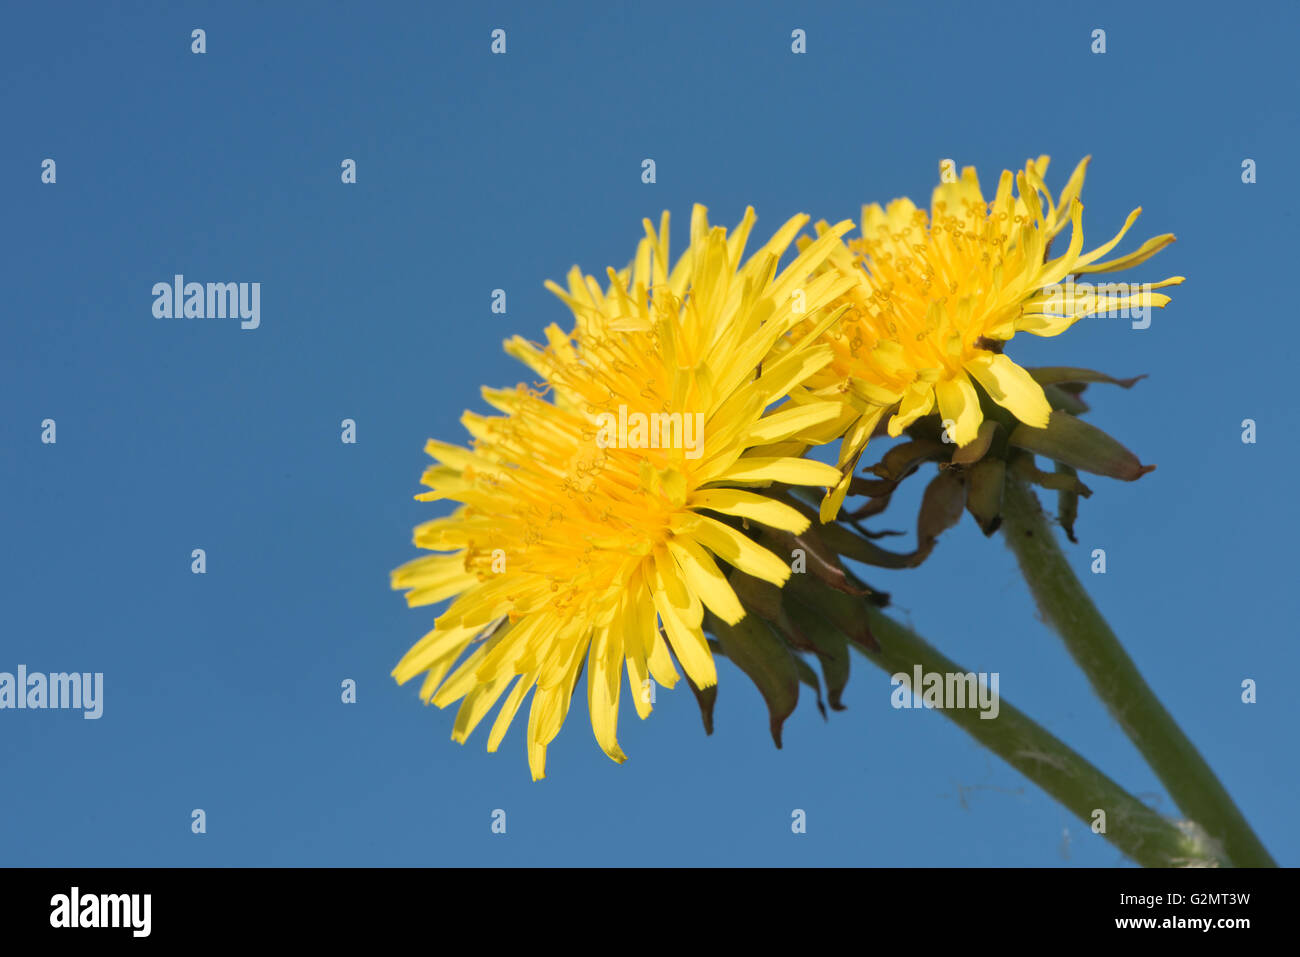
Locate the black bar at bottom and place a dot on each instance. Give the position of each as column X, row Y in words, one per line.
column 335, row 906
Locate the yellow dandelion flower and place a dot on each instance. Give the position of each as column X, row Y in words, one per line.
column 936, row 296
column 596, row 508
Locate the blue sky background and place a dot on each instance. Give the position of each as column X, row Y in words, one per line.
column 476, row 172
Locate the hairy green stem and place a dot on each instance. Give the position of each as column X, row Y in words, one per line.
column 1135, row 829
column 1068, row 609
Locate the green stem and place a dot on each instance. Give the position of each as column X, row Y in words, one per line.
column 1141, row 833
column 1066, row 606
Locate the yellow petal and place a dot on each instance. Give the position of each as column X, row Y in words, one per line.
column 959, row 407
column 666, row 579
column 508, row 710
column 705, row 579
column 1137, row 257
column 791, row 420
column 1104, row 248
column 604, row 671
column 750, row 505
column 1039, row 324
column 433, row 677
column 463, row 679
column 834, row 499
column 636, row 641
column 739, row 550
column 917, row 402
column 659, row 661
column 1011, row 387
column 536, row 742
column 476, row 706
column 1070, row 193
column 793, row 368
column 689, row 644
column 433, row 647
column 792, row 471
column 643, row 621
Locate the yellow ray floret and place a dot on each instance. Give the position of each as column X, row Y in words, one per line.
column 596, row 515
column 935, row 297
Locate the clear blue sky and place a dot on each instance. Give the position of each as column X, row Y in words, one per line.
column 477, row 172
